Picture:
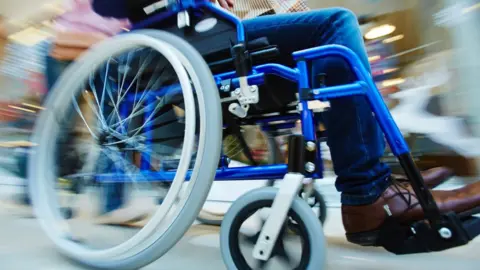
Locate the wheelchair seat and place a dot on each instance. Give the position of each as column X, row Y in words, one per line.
column 214, row 42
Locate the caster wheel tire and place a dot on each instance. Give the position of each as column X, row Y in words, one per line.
column 313, row 252
column 314, row 200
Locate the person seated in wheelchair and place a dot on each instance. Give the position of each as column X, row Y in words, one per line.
column 369, row 193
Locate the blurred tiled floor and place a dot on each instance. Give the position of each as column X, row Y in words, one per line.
column 23, row 245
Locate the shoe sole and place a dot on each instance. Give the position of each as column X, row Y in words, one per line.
column 366, row 239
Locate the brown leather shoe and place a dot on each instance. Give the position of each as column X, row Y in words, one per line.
column 399, row 201
column 432, row 177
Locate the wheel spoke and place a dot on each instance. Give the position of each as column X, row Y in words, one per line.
column 94, row 110
column 95, row 95
column 77, row 108
column 141, row 100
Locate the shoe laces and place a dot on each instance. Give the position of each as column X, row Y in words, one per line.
column 407, row 196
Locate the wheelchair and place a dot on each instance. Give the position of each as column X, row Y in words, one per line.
column 197, row 108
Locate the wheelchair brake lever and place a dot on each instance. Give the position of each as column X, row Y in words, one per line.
column 154, row 7
column 183, row 19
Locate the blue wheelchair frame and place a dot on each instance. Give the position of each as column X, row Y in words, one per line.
column 395, row 237
column 364, row 86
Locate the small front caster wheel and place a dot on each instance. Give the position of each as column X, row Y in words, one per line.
column 316, row 202
column 304, row 250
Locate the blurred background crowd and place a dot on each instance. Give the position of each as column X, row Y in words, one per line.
column 424, row 57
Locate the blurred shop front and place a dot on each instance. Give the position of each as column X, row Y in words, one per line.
column 24, row 31
column 425, row 60
column 453, row 26
column 26, row 28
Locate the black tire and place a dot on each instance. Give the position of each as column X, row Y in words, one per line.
column 312, row 232
column 318, row 201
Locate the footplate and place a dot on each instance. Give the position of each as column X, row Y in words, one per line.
column 452, row 231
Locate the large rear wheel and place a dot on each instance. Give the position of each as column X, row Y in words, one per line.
column 108, row 75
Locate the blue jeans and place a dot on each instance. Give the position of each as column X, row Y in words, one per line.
column 112, row 192
column 354, row 137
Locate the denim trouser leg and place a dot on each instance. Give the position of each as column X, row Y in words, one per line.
column 112, row 192
column 354, row 137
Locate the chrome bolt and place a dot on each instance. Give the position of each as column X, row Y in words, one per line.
column 237, row 91
column 311, row 146
column 445, row 233
column 253, row 89
column 309, row 167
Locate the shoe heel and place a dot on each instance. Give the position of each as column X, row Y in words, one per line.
column 366, row 239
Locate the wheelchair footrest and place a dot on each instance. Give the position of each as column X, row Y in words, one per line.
column 421, row 237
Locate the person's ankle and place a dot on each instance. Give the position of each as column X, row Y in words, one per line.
column 359, row 197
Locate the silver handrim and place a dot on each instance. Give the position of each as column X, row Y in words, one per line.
column 40, row 161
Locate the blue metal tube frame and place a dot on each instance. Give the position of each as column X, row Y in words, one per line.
column 390, row 129
column 265, row 172
column 307, row 117
column 224, row 173
column 357, row 88
column 364, row 86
